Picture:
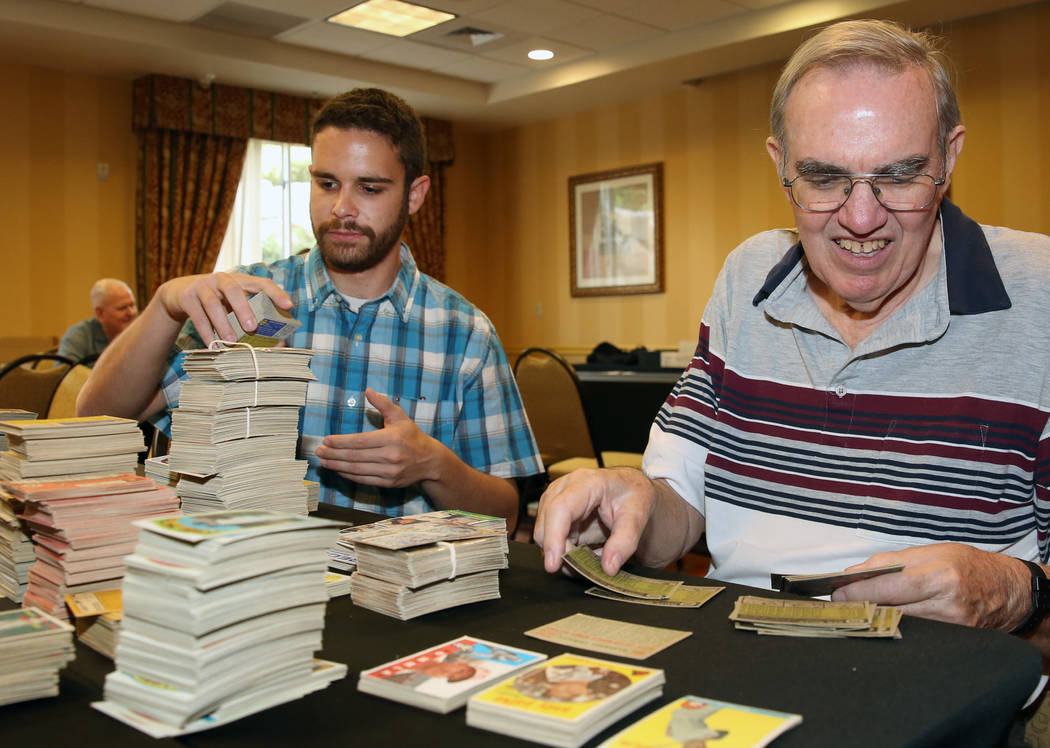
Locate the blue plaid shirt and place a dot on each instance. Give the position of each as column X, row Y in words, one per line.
column 421, row 344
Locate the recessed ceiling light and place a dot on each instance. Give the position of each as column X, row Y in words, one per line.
column 540, row 54
column 392, row 17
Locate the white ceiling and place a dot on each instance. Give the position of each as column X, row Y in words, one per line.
column 605, row 50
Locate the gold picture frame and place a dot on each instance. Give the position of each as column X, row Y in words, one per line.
column 616, row 231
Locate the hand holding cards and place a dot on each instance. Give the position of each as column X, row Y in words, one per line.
column 814, row 585
column 274, row 325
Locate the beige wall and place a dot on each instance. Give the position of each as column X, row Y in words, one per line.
column 60, row 227
column 508, row 234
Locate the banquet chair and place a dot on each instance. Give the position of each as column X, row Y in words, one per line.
column 28, row 388
column 64, row 401
column 550, row 390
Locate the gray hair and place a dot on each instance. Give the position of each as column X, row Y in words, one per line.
column 103, row 286
column 884, row 44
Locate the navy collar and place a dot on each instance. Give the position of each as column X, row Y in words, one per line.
column 974, row 284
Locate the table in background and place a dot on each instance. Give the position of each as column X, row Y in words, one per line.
column 939, row 685
column 621, row 404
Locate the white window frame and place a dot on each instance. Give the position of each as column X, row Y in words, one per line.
column 242, row 243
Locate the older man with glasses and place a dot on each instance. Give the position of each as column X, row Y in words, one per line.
column 868, row 389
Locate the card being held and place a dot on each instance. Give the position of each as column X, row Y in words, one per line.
column 815, row 585
column 584, row 561
column 274, row 324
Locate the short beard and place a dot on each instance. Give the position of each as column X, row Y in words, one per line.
column 377, row 249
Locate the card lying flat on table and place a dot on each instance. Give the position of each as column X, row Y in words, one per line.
column 605, row 635
column 692, row 720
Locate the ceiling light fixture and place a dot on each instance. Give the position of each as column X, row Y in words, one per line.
column 392, row 17
column 540, row 54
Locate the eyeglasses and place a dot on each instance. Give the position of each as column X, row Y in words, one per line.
column 826, row 193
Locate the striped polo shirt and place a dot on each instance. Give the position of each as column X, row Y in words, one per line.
column 806, row 456
column 421, row 344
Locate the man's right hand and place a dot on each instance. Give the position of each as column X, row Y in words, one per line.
column 125, row 379
column 207, row 299
column 587, row 507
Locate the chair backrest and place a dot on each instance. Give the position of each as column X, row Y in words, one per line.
column 550, row 391
column 46, row 360
column 28, row 388
column 64, row 401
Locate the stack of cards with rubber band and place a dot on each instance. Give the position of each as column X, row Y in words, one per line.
column 409, row 566
column 235, row 432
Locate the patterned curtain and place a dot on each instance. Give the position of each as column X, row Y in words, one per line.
column 186, row 188
column 425, row 232
column 192, row 141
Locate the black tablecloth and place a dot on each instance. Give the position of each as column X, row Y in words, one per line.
column 939, row 685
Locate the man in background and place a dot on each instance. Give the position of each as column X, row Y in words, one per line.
column 415, row 407
column 115, row 309
column 869, row 388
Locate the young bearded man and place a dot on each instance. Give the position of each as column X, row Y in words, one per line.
column 415, row 407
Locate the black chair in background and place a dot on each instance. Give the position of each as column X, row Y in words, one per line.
column 23, row 386
column 550, row 391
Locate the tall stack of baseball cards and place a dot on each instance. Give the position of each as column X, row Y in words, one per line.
column 81, row 531
column 33, row 648
column 70, row 447
column 222, row 614
column 235, row 431
column 410, row 566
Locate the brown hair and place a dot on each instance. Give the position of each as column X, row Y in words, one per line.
column 381, row 112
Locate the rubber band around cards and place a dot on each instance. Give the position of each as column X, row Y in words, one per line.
column 452, row 554
column 218, row 344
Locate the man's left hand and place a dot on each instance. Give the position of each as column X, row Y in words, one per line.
column 397, row 455
column 948, row 582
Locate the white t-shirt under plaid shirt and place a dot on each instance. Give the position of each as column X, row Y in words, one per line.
column 421, row 344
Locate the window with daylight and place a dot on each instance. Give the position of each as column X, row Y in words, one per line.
column 271, row 215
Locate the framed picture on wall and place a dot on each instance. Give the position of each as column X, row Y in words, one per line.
column 616, row 231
